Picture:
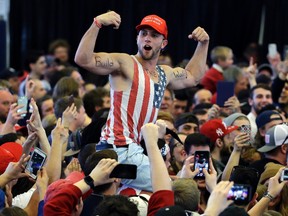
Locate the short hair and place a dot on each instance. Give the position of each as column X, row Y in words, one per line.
column 92, row 161
column 40, row 101
column 62, row 103
column 85, row 152
column 232, row 73
column 167, row 116
column 94, row 98
column 116, row 205
column 186, row 194
column 13, row 211
column 261, row 85
column 32, row 57
column 195, row 139
column 58, row 43
column 66, row 86
column 245, row 175
column 219, row 53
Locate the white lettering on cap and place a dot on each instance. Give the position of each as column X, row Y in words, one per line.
column 219, row 132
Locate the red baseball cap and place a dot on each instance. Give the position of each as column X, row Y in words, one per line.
column 9, row 152
column 215, row 129
column 154, row 22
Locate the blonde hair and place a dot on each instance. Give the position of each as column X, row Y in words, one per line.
column 220, row 53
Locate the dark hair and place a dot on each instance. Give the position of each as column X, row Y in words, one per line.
column 13, row 211
column 195, row 139
column 58, row 43
column 32, row 57
column 261, row 85
column 94, row 98
column 66, row 86
column 85, row 152
column 93, row 160
column 116, row 205
column 40, row 101
column 57, row 75
column 245, row 175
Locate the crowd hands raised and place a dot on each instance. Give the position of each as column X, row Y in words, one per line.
column 246, row 138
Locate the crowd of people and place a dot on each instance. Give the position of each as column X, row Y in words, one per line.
column 62, row 138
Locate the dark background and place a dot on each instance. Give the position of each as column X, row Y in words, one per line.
column 234, row 23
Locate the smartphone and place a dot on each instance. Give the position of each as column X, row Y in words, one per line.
column 284, row 175
column 272, row 49
column 247, row 130
column 124, row 171
column 35, row 163
column 22, row 101
column 240, row 193
column 225, row 90
column 201, row 160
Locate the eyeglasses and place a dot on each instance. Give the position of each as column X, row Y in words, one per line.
column 178, row 144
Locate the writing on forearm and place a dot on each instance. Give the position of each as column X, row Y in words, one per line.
column 106, row 62
column 180, row 74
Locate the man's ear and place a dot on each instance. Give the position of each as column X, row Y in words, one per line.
column 261, row 131
column 250, row 101
column 219, row 143
column 164, row 44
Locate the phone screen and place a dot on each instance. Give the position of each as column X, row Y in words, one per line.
column 124, row 171
column 225, row 90
column 35, row 163
column 240, row 193
column 22, row 101
column 201, row 160
column 247, row 130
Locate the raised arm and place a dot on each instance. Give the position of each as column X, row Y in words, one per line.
column 99, row 63
column 194, row 71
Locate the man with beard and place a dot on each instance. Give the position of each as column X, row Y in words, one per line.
column 260, row 96
column 137, row 84
column 220, row 147
column 6, row 99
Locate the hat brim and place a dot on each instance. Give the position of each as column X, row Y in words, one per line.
column 266, row 148
column 139, row 27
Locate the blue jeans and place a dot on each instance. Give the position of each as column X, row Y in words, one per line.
column 133, row 154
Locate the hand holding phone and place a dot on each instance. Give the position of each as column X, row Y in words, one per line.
column 284, row 175
column 201, row 161
column 35, row 163
column 22, row 101
column 124, row 171
column 240, row 193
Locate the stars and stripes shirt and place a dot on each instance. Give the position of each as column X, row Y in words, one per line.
column 132, row 108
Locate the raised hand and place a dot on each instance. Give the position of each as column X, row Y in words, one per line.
column 150, row 133
column 69, row 115
column 188, row 165
column 35, row 119
column 162, row 128
column 74, row 165
column 200, row 35
column 109, row 18
column 100, row 174
column 59, row 133
column 15, row 170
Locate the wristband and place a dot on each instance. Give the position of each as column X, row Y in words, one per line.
column 99, row 25
column 269, row 196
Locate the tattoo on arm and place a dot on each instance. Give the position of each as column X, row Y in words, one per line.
column 103, row 62
column 180, row 74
